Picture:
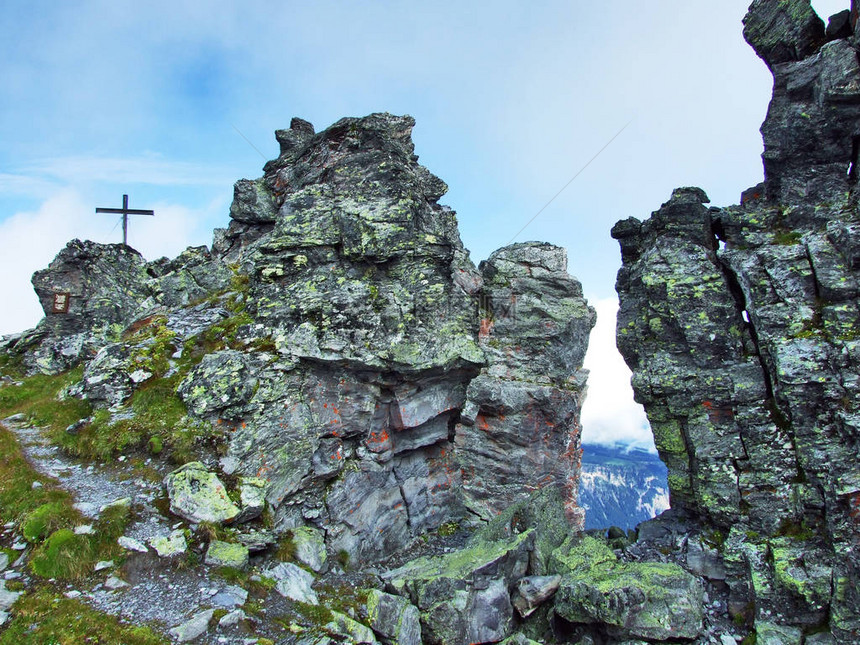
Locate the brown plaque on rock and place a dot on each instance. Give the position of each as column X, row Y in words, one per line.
column 61, row 302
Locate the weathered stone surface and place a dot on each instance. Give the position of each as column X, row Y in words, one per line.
column 252, row 498
column 464, row 597
column 658, row 601
column 191, row 276
column 522, row 413
column 227, row 554
column 357, row 633
column 194, row 627
column 740, row 326
column 107, row 284
column 393, row 618
column 532, row 591
column 171, row 545
column 310, row 547
column 783, row 31
column 293, row 582
column 197, row 495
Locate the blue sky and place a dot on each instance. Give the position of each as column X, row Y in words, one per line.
column 511, row 100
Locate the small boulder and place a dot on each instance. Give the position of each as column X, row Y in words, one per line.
column 113, row 583
column 353, row 630
column 534, row 591
column 7, row 598
column 193, row 628
column 131, row 544
column 232, row 618
column 394, row 618
column 310, row 547
column 170, row 545
column 651, row 600
column 197, row 495
column 227, row 554
column 293, row 582
column 229, row 597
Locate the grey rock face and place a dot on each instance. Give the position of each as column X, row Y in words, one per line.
column 394, row 618
column 522, row 411
column 809, row 135
column 782, row 32
column 464, row 597
column 742, row 363
column 106, row 284
column 353, row 373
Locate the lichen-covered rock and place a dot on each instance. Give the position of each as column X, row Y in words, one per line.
column 809, row 134
column 105, row 283
column 227, row 554
column 222, row 382
column 310, row 547
column 464, row 597
column 740, row 326
column 656, row 601
column 522, row 413
column 343, row 625
column 197, row 495
column 293, row 582
column 192, row 276
column 393, row 618
column 171, row 545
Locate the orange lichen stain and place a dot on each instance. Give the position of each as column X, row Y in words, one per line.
column 486, row 328
column 482, row 423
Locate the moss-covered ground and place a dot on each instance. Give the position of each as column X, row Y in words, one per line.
column 45, row 616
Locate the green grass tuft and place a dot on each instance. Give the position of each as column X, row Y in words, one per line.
column 45, row 616
column 63, row 555
column 47, row 518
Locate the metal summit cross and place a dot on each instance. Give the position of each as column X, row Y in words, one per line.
column 125, row 211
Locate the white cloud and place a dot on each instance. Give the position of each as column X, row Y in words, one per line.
column 610, row 414
column 152, row 170
column 30, row 240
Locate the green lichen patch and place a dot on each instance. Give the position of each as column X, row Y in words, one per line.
column 651, row 600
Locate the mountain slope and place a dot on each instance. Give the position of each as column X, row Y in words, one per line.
column 622, row 487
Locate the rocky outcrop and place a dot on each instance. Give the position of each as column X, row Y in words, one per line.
column 740, row 327
column 522, row 411
column 811, row 138
column 338, row 346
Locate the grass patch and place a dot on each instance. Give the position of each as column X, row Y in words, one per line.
column 18, row 498
column 286, row 548
column 37, row 397
column 11, row 365
column 47, row 511
column 67, row 556
column 47, row 518
column 159, row 422
column 46, row 617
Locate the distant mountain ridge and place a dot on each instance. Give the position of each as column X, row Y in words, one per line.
column 621, row 486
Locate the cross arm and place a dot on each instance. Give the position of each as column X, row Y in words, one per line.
column 125, row 211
